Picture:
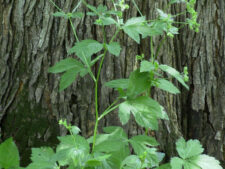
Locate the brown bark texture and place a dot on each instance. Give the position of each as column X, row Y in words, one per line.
column 32, row 40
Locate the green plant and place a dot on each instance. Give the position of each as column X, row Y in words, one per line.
column 111, row 150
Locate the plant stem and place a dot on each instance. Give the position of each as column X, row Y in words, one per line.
column 137, row 7
column 74, row 30
column 108, row 111
column 55, row 5
column 96, row 88
column 152, row 49
column 77, row 6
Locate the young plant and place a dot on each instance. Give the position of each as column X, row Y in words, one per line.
column 112, row 149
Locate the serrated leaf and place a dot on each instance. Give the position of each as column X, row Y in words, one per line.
column 85, row 49
column 118, row 83
column 42, row 158
column 167, row 86
column 114, row 48
column 138, row 83
column 173, row 72
column 176, row 163
column 60, row 14
column 146, row 66
column 207, row 162
column 9, row 154
column 188, row 149
column 66, row 64
column 111, row 142
column 68, row 78
column 140, row 143
column 131, row 162
column 144, row 109
column 74, row 148
column 131, row 26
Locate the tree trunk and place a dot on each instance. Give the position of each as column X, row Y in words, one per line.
column 31, row 41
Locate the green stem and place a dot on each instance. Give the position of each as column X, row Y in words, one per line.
column 74, row 30
column 96, row 89
column 77, row 6
column 108, row 111
column 55, row 5
column 137, row 7
column 152, row 49
column 114, row 5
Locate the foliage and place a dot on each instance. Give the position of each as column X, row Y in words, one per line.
column 113, row 149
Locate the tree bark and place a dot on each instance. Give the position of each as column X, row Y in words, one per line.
column 32, row 40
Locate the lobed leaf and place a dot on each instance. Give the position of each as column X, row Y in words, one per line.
column 140, row 143
column 188, row 149
column 85, row 49
column 144, row 109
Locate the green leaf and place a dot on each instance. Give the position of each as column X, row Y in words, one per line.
column 144, row 109
column 131, row 27
column 173, row 72
column 147, row 66
column 114, row 48
column 77, row 15
column 176, row 163
column 167, row 86
column 141, row 142
column 138, row 83
column 72, row 148
column 66, row 64
column 119, row 83
column 68, row 78
column 111, row 142
column 117, row 157
column 75, row 130
column 163, row 114
column 207, row 162
column 164, row 166
column 131, row 162
column 105, row 21
column 42, row 158
column 124, row 112
column 85, row 49
column 9, row 154
column 188, row 149
column 60, row 14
